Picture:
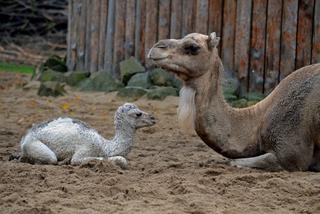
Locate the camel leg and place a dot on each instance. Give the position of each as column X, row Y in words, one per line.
column 37, row 152
column 83, row 156
column 119, row 161
column 266, row 161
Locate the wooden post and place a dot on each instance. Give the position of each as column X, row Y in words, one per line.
column 304, row 33
column 151, row 25
column 119, row 35
column 242, row 41
column 130, row 27
column 108, row 53
column 140, row 30
column 187, row 20
column 164, row 19
column 257, row 49
column 228, row 35
column 94, row 39
column 176, row 17
column 87, row 56
column 215, row 16
column 81, row 34
column 201, row 22
column 288, row 37
column 272, row 59
column 316, row 33
column 102, row 32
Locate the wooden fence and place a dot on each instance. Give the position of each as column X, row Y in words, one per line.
column 262, row 41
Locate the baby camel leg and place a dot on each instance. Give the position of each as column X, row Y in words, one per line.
column 119, row 161
column 266, row 161
column 37, row 152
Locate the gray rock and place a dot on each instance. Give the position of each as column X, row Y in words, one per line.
column 230, row 86
column 128, row 68
column 161, row 77
column 254, row 96
column 51, row 88
column 140, row 80
column 100, row 81
column 75, row 77
column 159, row 93
column 51, row 75
column 133, row 93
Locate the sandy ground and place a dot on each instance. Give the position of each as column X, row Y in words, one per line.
column 169, row 172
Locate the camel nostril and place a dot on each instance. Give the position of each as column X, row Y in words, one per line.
column 152, row 118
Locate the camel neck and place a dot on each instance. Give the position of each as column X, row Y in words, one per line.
column 229, row 131
column 121, row 143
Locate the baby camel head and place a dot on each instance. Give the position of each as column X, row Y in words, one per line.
column 189, row 57
column 130, row 115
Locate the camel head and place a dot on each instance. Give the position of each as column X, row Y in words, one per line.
column 129, row 115
column 189, row 57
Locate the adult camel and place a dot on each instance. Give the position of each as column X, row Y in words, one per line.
column 280, row 132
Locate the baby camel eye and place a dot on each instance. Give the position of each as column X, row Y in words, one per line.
column 139, row 114
column 191, row 49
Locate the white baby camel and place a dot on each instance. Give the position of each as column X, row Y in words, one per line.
column 70, row 139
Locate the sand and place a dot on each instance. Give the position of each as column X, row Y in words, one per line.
column 169, row 171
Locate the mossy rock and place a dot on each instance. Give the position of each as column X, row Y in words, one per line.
column 100, row 81
column 51, row 88
column 51, row 75
column 161, row 77
column 230, row 97
column 140, row 80
column 160, row 93
column 55, row 63
column 230, row 86
column 75, row 77
column 133, row 93
column 130, row 67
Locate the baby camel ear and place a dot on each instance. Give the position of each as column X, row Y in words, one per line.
column 213, row 40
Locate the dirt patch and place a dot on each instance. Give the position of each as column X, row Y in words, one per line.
column 169, row 172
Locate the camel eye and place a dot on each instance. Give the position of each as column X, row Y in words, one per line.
column 191, row 49
column 139, row 114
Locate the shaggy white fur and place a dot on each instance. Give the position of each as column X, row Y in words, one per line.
column 187, row 109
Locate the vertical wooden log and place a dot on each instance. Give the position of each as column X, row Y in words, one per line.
column 201, row 25
column 242, row 41
column 72, row 18
column 88, row 37
column 81, row 34
column 257, row 53
column 288, row 37
column 304, row 34
column 228, row 35
column 108, row 53
column 316, row 33
column 164, row 19
column 103, row 32
column 119, row 35
column 176, row 19
column 151, row 24
column 215, row 16
column 130, row 28
column 140, row 30
column 272, row 59
column 94, row 40
column 188, row 17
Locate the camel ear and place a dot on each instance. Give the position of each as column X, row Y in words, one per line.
column 213, row 40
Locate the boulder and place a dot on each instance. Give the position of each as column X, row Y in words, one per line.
column 133, row 93
column 161, row 77
column 230, row 86
column 51, row 75
column 254, row 96
column 128, row 68
column 159, row 93
column 51, row 88
column 55, row 63
column 100, row 81
column 75, row 77
column 140, row 80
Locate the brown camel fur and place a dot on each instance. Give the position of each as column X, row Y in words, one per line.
column 280, row 132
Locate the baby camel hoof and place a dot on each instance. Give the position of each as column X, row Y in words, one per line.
column 119, row 161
